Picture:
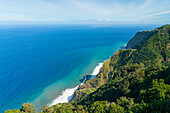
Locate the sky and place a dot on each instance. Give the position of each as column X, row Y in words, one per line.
column 85, row 10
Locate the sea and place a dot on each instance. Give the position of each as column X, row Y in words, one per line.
column 43, row 64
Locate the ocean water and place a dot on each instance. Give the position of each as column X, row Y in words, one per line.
column 39, row 62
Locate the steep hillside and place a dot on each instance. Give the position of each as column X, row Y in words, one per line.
column 132, row 80
column 139, row 38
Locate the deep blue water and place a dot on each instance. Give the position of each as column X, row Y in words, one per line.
column 37, row 62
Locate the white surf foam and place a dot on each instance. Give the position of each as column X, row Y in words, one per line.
column 67, row 94
column 96, row 70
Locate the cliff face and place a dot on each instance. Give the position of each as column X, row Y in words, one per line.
column 141, row 37
column 138, row 39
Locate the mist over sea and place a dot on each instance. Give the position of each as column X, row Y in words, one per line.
column 38, row 62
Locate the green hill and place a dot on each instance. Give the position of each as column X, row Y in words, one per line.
column 135, row 79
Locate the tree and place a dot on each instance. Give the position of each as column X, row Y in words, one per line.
column 158, row 91
column 27, row 108
column 126, row 103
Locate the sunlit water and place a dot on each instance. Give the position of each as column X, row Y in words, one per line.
column 39, row 62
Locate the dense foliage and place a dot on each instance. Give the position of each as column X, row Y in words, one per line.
column 132, row 80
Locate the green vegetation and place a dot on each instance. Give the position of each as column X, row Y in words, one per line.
column 132, row 80
column 26, row 108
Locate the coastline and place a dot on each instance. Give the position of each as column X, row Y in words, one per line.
column 44, row 96
column 67, row 94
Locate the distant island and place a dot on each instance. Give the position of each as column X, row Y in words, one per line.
column 133, row 80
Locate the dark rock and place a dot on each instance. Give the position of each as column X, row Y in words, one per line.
column 87, row 77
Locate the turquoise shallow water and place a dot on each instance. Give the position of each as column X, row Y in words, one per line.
column 37, row 62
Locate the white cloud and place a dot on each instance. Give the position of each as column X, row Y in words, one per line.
column 161, row 13
column 73, row 10
column 146, row 4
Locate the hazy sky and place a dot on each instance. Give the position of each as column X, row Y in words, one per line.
column 82, row 10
